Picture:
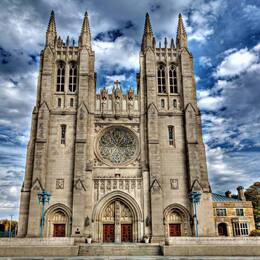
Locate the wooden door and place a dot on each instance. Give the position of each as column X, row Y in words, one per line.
column 222, row 229
column 59, row 230
column 126, row 233
column 175, row 230
column 108, row 233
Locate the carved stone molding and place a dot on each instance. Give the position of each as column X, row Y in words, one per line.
column 155, row 186
column 79, row 185
column 117, row 146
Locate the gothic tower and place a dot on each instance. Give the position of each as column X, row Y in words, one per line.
column 172, row 125
column 118, row 165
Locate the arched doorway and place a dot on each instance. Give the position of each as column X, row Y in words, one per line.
column 57, row 221
column 177, row 221
column 117, row 221
column 117, row 218
column 222, row 229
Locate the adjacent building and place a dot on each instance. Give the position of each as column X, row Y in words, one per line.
column 233, row 216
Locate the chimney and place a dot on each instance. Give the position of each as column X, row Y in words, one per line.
column 228, row 194
column 241, row 193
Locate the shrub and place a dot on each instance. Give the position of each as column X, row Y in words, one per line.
column 255, row 233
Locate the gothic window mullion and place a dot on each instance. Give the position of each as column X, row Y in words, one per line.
column 161, row 79
column 73, row 77
column 60, row 77
column 167, row 85
column 173, row 79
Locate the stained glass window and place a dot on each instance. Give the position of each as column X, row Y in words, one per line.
column 117, row 145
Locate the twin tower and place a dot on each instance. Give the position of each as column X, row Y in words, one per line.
column 119, row 166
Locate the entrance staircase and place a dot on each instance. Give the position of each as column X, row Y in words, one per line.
column 130, row 249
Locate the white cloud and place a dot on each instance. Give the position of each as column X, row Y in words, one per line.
column 236, row 63
column 113, row 78
column 197, row 78
column 122, row 53
column 202, row 17
column 207, row 101
column 205, row 61
column 227, row 171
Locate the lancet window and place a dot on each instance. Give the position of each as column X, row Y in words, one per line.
column 73, row 77
column 173, row 79
column 60, row 77
column 161, row 79
column 171, row 134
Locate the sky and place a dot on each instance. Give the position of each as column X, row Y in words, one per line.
column 223, row 36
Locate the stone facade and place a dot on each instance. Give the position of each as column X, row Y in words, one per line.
column 233, row 216
column 119, row 166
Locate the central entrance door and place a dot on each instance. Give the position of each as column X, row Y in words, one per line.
column 117, row 223
column 175, row 230
column 59, row 230
column 108, row 233
column 126, row 233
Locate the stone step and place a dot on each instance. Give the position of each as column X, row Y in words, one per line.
column 120, row 249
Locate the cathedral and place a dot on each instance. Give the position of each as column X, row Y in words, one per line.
column 119, row 166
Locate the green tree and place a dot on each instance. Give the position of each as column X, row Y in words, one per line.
column 253, row 194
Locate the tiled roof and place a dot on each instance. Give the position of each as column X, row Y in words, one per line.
column 222, row 198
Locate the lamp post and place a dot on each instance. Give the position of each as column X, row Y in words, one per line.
column 43, row 198
column 10, row 227
column 195, row 199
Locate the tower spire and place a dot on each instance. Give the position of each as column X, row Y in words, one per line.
column 51, row 33
column 85, row 35
column 148, row 33
column 181, row 39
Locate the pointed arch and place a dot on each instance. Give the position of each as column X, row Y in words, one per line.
column 152, row 108
column 196, row 186
column 58, row 220
column 36, row 185
column 121, row 196
column 161, row 78
column 73, row 75
column 44, row 105
column 59, row 206
column 120, row 200
column 173, row 79
column 60, row 83
column 177, row 218
column 190, row 107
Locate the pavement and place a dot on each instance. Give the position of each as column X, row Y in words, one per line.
column 134, row 258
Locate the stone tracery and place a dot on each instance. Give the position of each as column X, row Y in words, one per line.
column 117, row 145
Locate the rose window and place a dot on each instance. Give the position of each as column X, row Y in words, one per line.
column 117, row 145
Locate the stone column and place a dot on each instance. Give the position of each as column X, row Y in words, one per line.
column 117, row 222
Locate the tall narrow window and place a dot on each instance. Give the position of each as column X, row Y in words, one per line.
column 59, row 102
column 162, row 103
column 60, row 77
column 173, row 79
column 73, row 77
column 63, row 134
column 161, row 79
column 71, row 102
column 171, row 134
column 174, row 103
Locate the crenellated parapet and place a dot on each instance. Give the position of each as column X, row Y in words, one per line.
column 166, row 54
column 117, row 104
column 66, row 51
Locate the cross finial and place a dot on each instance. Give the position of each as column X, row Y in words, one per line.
column 116, row 83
